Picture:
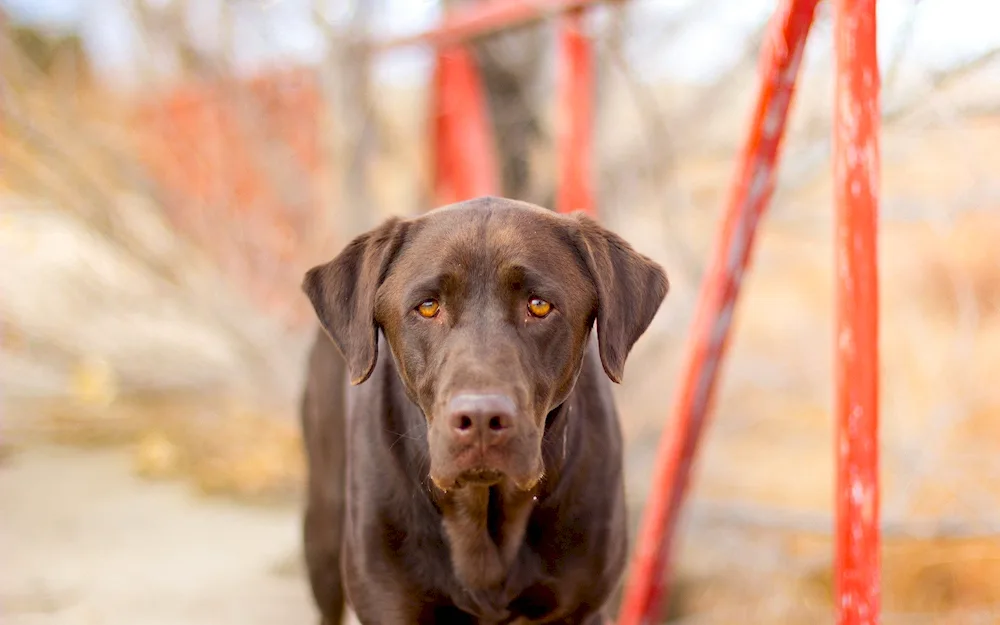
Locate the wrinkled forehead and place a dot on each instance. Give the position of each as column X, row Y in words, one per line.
column 484, row 245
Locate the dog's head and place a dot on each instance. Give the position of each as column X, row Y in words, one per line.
column 487, row 306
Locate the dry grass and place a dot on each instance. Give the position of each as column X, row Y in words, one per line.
column 222, row 446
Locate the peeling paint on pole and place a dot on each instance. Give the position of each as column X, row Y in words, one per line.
column 856, row 185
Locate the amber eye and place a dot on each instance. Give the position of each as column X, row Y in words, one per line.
column 539, row 307
column 428, row 308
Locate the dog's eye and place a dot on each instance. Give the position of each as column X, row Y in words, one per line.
column 428, row 308
column 539, row 307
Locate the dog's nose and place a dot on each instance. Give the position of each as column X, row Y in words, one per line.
column 486, row 416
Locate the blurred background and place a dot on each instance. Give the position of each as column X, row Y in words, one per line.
column 170, row 168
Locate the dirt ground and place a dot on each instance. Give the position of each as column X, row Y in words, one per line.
column 85, row 542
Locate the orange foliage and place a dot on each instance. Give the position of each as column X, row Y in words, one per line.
column 239, row 165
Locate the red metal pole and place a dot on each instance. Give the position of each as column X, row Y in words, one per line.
column 749, row 195
column 464, row 155
column 442, row 173
column 575, row 116
column 856, row 187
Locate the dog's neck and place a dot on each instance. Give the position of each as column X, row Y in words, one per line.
column 485, row 525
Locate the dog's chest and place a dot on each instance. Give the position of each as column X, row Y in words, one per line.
column 537, row 602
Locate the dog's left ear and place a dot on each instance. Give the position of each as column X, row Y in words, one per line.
column 630, row 288
column 343, row 290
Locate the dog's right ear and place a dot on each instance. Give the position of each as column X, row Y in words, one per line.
column 343, row 291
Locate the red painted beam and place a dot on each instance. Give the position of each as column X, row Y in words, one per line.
column 750, row 192
column 856, row 188
column 483, row 18
column 464, row 155
column 575, row 116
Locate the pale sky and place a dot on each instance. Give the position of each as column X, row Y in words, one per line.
column 946, row 31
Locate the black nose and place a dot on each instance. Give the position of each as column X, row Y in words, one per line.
column 488, row 416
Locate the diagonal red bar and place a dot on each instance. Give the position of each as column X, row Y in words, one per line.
column 749, row 195
column 856, row 187
column 483, row 18
column 575, row 116
column 464, row 156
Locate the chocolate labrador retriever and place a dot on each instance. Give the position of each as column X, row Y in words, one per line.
column 473, row 473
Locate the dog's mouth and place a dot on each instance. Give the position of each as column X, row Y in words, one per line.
column 479, row 477
column 487, row 478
